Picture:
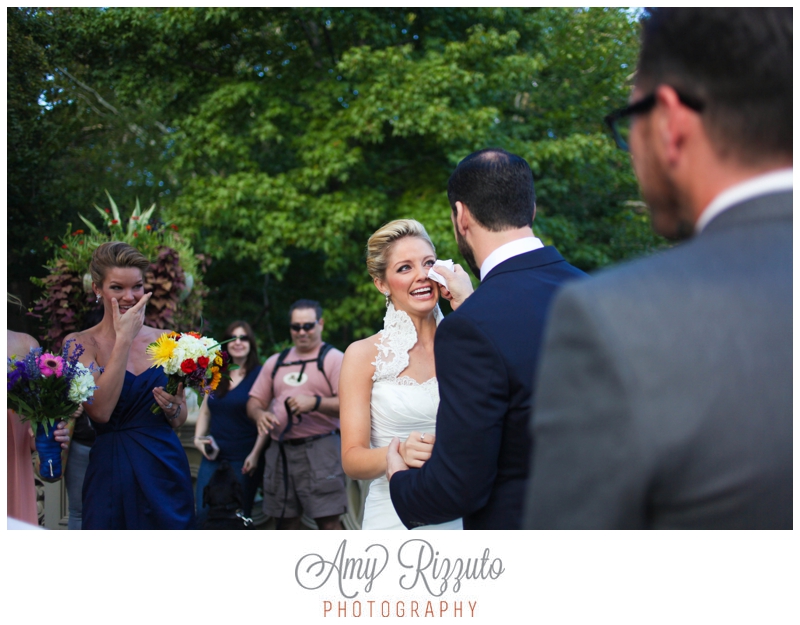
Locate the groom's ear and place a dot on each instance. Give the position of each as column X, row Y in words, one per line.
column 461, row 218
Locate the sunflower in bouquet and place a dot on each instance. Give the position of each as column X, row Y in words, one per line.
column 192, row 359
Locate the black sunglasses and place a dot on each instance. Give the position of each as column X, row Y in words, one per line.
column 240, row 337
column 619, row 121
column 303, row 326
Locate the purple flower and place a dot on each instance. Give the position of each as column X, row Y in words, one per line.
column 14, row 375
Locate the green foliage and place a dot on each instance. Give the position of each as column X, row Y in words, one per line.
column 278, row 140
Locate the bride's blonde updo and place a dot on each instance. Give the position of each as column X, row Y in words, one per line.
column 380, row 243
column 115, row 254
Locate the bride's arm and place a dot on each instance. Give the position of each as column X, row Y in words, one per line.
column 360, row 462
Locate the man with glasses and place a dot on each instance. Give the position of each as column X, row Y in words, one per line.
column 295, row 399
column 665, row 386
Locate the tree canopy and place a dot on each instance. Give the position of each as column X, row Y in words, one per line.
column 278, row 140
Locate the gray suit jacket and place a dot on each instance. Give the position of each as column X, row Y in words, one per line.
column 664, row 393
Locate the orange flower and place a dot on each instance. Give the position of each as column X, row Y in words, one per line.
column 195, row 335
column 215, row 380
column 148, row 227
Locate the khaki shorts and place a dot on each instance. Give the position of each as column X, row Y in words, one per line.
column 316, row 479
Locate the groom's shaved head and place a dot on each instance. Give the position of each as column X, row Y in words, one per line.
column 497, row 188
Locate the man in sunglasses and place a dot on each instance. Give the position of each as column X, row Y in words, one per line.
column 665, row 386
column 295, row 399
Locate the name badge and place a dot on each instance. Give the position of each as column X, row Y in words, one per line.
column 292, row 379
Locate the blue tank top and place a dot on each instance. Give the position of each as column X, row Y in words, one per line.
column 232, row 429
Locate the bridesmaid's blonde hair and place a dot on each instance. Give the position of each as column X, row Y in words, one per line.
column 380, row 243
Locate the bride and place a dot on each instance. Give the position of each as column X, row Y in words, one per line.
column 388, row 382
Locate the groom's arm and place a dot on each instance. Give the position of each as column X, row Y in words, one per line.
column 473, row 389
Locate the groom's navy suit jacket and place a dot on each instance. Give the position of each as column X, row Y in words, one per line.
column 486, row 353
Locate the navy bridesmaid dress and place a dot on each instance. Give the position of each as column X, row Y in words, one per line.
column 138, row 475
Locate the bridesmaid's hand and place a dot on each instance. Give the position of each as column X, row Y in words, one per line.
column 169, row 403
column 127, row 326
column 417, row 448
column 62, row 434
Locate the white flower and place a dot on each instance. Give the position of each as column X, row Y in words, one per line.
column 82, row 386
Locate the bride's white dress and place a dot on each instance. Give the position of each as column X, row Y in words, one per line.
column 399, row 405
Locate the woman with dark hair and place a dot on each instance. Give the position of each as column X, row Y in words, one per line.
column 138, row 475
column 223, row 431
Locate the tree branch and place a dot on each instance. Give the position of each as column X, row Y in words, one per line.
column 89, row 89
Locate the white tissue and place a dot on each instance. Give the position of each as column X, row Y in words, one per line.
column 435, row 276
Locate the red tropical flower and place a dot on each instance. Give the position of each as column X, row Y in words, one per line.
column 188, row 366
column 174, row 227
column 108, row 210
column 136, row 234
column 115, row 221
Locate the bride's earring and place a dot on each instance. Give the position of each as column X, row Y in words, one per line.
column 386, row 293
column 98, row 299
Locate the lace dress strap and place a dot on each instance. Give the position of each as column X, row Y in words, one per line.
column 397, row 338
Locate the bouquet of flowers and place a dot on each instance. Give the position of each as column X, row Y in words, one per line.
column 44, row 388
column 196, row 361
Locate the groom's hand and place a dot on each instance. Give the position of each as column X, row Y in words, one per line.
column 459, row 286
column 394, row 461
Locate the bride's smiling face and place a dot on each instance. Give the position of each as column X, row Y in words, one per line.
column 406, row 278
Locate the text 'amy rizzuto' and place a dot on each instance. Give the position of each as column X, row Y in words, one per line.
column 422, row 567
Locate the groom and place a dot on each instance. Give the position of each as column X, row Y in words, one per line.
column 486, row 354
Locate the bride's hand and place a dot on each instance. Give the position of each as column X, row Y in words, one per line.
column 417, row 448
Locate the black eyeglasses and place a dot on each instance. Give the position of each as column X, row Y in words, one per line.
column 241, row 337
column 620, row 121
column 303, row 326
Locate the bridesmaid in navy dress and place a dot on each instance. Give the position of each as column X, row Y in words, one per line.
column 138, row 475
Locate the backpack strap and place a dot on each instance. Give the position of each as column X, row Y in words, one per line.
column 323, row 351
column 281, row 357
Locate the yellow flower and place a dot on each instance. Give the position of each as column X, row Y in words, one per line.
column 161, row 350
column 218, row 360
column 215, row 380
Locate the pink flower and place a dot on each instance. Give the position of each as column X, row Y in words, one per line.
column 50, row 365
